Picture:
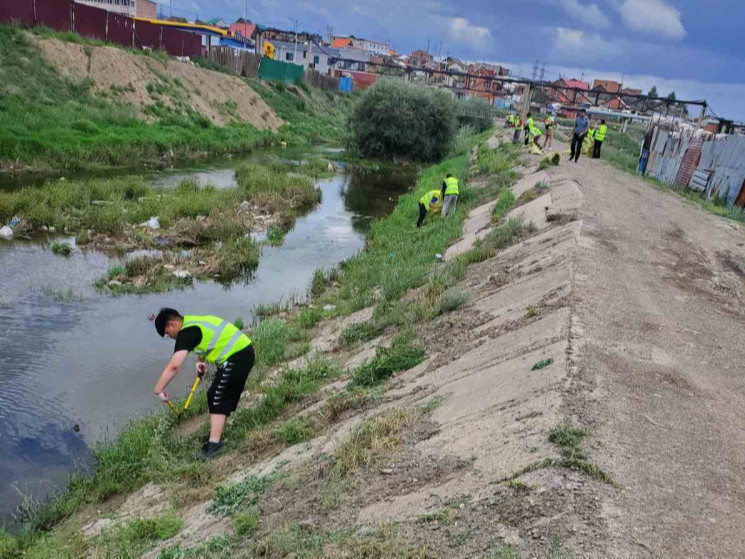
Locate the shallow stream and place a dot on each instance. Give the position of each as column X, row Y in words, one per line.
column 73, row 357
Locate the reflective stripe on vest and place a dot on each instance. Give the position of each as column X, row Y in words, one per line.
column 601, row 132
column 433, row 196
column 451, row 187
column 220, row 338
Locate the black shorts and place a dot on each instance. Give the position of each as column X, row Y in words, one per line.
column 230, row 379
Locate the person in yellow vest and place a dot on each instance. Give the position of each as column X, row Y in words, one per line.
column 599, row 137
column 588, row 147
column 218, row 342
column 450, row 195
column 518, row 126
column 512, row 120
column 529, row 125
column 425, row 204
column 534, row 133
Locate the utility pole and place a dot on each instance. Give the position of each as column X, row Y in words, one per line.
column 170, row 9
column 427, row 44
column 245, row 11
column 535, row 70
column 330, row 32
column 294, row 55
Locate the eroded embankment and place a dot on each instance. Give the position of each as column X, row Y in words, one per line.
column 467, row 454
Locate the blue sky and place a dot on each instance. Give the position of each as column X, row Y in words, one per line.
column 693, row 47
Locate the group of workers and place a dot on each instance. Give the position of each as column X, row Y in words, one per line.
column 582, row 130
column 218, row 342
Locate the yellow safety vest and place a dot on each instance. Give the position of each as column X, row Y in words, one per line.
column 591, row 133
column 432, row 197
column 220, row 338
column 534, row 130
column 451, row 187
column 530, row 123
column 601, row 132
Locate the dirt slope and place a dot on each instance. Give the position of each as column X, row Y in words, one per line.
column 143, row 80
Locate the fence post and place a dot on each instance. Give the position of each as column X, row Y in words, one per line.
column 183, row 38
column 106, row 33
column 36, row 19
column 160, row 40
column 72, row 16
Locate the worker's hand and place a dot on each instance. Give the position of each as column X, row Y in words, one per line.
column 201, row 368
column 163, row 396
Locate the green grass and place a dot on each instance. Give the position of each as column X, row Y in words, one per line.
column 62, row 249
column 318, row 117
column 49, row 122
column 503, row 206
column 233, row 497
column 246, row 523
column 295, row 431
column 401, row 356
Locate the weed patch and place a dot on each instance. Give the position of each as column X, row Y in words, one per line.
column 63, row 249
column 231, row 498
column 374, row 437
column 401, row 356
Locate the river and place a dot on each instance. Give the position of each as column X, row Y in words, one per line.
column 72, row 357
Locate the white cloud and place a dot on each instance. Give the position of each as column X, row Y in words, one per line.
column 589, row 14
column 580, row 45
column 463, row 31
column 653, row 16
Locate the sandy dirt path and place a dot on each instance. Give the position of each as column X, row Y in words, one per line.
column 660, row 304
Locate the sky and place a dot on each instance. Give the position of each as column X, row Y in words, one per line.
column 692, row 47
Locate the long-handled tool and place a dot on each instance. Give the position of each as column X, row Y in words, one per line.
column 193, row 390
column 173, row 408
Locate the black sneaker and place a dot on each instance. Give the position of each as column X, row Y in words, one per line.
column 210, row 449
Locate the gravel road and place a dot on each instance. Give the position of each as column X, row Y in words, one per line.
column 660, row 306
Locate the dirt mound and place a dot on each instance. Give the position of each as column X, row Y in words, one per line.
column 150, row 84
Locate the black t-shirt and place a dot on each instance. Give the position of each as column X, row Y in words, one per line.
column 188, row 338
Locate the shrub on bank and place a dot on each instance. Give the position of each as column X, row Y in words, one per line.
column 395, row 119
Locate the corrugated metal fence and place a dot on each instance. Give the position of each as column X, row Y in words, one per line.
column 696, row 159
column 95, row 23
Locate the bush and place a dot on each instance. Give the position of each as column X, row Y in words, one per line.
column 399, row 120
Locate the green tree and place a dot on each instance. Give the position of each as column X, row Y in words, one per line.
column 671, row 96
column 398, row 120
column 653, row 92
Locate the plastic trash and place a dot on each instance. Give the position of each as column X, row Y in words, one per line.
column 6, row 233
column 151, row 223
column 15, row 221
column 438, row 257
column 181, row 274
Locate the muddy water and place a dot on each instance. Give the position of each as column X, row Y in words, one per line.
column 72, row 358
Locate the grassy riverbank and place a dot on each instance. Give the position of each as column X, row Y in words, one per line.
column 213, row 225
column 397, row 259
column 53, row 123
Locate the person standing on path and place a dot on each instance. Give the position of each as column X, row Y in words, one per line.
column 518, row 126
column 449, row 194
column 581, row 124
column 425, row 204
column 600, row 133
column 549, row 133
column 216, row 341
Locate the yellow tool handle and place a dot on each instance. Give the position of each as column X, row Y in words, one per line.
column 173, row 408
column 193, row 390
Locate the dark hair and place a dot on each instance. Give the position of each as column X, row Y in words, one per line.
column 164, row 317
column 602, row 121
column 448, row 176
column 528, row 113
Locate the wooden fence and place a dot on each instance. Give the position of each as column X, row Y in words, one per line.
column 239, row 62
column 316, row 79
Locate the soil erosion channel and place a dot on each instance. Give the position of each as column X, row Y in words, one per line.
column 94, row 358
